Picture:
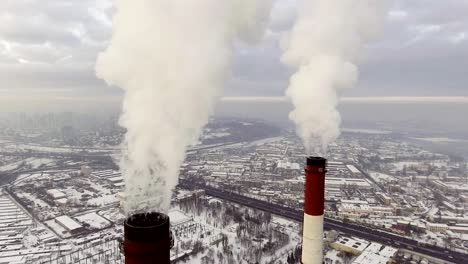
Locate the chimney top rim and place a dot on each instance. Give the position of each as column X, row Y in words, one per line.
column 316, row 161
column 146, row 220
column 147, row 227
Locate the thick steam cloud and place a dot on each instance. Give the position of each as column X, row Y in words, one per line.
column 171, row 58
column 324, row 46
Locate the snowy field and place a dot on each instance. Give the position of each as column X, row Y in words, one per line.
column 401, row 164
column 59, row 149
column 231, row 233
column 103, row 200
column 32, row 163
column 441, row 139
column 215, row 135
column 366, row 131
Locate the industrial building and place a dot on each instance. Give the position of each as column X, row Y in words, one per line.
column 69, row 224
column 56, row 194
column 352, row 245
column 376, row 253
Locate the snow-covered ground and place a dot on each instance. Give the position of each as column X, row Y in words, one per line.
column 25, row 176
column 365, row 131
column 113, row 214
column 245, row 241
column 381, row 177
column 333, row 256
column 264, row 141
column 11, row 166
column 103, row 200
column 58, row 149
column 440, row 139
column 216, row 135
column 401, row 164
column 32, row 163
column 38, row 203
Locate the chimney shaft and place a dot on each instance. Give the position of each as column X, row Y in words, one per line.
column 147, row 239
column 314, row 200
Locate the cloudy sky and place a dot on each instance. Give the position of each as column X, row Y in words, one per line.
column 48, row 50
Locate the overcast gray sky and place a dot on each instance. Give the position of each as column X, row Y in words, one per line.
column 48, row 49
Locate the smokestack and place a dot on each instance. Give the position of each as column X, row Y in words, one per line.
column 147, row 239
column 314, row 200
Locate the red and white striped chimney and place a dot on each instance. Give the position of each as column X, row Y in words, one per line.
column 314, row 200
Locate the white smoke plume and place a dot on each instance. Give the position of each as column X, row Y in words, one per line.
column 171, row 58
column 324, row 45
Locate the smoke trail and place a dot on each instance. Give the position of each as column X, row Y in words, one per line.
column 170, row 57
column 324, row 45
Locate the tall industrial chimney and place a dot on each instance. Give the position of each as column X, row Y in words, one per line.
column 147, row 239
column 314, row 200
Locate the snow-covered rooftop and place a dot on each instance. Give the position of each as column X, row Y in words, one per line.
column 68, row 222
column 177, row 217
column 56, row 194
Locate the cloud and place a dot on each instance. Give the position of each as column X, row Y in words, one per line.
column 420, row 53
column 283, row 15
column 458, row 38
column 52, row 44
column 397, row 15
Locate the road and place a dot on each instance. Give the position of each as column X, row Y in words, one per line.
column 10, row 177
column 365, row 232
column 382, row 189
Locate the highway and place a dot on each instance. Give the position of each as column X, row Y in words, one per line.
column 10, row 177
column 365, row 232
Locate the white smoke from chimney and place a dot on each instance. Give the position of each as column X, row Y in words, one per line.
column 171, row 58
column 324, row 46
